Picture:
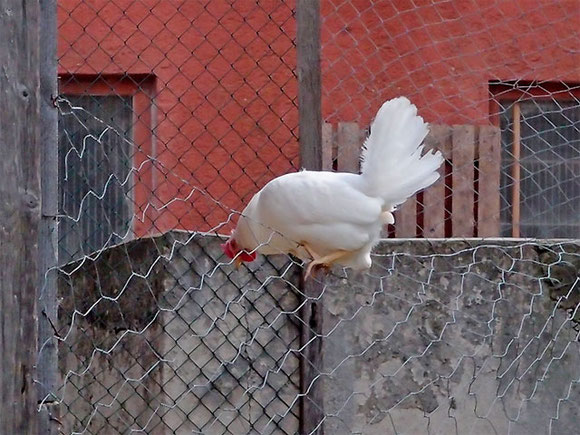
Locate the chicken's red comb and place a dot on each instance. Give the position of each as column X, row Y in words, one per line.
column 231, row 250
column 228, row 249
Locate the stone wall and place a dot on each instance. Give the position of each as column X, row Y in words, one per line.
column 162, row 335
column 454, row 337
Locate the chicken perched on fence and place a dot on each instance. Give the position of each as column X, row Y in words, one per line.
column 334, row 217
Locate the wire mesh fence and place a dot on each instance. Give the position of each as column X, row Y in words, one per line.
column 469, row 64
column 158, row 336
column 172, row 115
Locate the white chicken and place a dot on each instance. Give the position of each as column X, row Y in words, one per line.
column 333, row 217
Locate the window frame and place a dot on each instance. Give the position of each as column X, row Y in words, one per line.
column 514, row 93
column 141, row 88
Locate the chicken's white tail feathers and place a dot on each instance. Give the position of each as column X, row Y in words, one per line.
column 392, row 162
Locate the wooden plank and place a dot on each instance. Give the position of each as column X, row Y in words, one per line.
column 439, row 138
column 406, row 219
column 19, row 213
column 312, row 407
column 311, row 157
column 516, row 172
column 488, row 211
column 47, row 365
column 463, row 153
column 309, row 88
column 327, row 146
column 348, row 137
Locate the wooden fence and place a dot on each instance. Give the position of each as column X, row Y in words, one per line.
column 464, row 202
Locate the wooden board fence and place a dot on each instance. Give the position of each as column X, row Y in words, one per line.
column 464, row 202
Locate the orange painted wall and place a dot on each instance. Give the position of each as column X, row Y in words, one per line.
column 225, row 117
column 442, row 54
column 224, row 100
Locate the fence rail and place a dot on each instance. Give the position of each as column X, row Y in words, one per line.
column 467, row 194
column 134, row 132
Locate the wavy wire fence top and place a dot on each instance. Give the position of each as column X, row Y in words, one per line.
column 172, row 114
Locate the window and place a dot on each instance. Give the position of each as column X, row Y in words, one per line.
column 540, row 179
column 98, row 196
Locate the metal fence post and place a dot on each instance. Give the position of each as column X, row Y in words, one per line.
column 47, row 368
column 310, row 132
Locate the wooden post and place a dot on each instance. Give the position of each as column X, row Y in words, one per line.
column 327, row 146
column 309, row 87
column 439, row 138
column 19, row 212
column 463, row 147
column 349, row 141
column 406, row 219
column 310, row 131
column 47, row 367
column 516, row 172
column 488, row 222
column 311, row 363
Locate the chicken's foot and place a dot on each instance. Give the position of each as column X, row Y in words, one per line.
column 324, row 261
column 310, row 251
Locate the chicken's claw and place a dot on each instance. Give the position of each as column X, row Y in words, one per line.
column 310, row 251
column 308, row 270
column 324, row 262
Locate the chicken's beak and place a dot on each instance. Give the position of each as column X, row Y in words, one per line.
column 238, row 262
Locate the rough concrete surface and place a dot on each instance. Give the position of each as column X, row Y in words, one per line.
column 454, row 337
column 164, row 340
column 439, row 337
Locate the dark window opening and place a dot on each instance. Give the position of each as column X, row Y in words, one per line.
column 548, row 184
column 95, row 182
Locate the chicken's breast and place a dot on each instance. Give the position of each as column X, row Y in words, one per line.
column 326, row 210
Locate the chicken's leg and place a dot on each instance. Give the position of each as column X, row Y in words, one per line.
column 327, row 259
column 313, row 256
column 310, row 251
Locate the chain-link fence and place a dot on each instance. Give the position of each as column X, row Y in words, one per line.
column 157, row 335
column 498, row 83
column 172, row 115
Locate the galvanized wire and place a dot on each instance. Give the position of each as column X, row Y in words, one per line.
column 173, row 114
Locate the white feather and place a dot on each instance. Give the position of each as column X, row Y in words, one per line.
column 332, row 211
column 392, row 164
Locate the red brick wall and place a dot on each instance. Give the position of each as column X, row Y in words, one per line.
column 442, row 54
column 225, row 91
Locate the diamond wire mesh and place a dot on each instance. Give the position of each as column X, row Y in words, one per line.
column 167, row 340
column 174, row 113
column 466, row 65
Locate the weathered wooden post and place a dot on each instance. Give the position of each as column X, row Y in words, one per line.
column 310, row 131
column 20, row 210
column 47, row 365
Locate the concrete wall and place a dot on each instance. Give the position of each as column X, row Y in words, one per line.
column 225, row 90
column 454, row 337
column 166, row 341
column 438, row 337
